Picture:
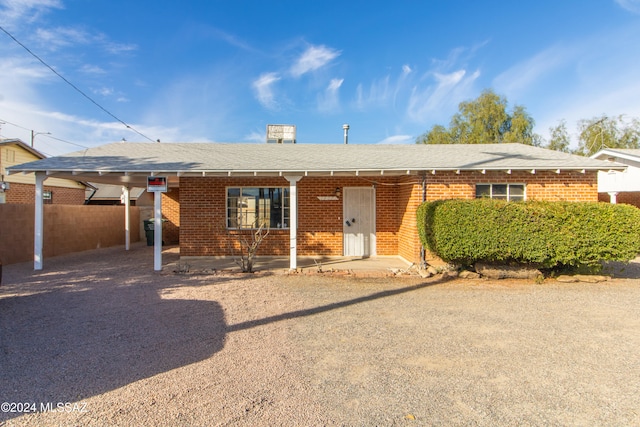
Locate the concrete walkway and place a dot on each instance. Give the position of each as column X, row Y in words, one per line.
column 381, row 265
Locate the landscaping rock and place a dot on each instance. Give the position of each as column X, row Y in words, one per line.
column 432, row 270
column 587, row 278
column 566, row 279
column 466, row 274
column 425, row 274
column 507, row 271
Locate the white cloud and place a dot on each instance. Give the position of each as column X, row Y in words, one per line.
column 448, row 91
column 379, row 93
column 406, row 69
column 313, row 58
column 104, row 91
column 398, row 139
column 329, row 100
column 263, row 87
column 523, row 75
column 630, row 5
column 17, row 12
column 92, row 69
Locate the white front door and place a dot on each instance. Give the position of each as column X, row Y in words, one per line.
column 359, row 221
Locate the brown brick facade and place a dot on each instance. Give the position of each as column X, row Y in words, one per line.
column 171, row 212
column 630, row 198
column 201, row 203
column 26, row 194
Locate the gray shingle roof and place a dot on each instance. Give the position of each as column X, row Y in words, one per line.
column 630, row 152
column 291, row 158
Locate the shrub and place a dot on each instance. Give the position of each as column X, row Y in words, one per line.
column 546, row 234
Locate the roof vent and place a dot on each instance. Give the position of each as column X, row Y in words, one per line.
column 281, row 134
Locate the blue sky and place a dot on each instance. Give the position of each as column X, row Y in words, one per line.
column 221, row 71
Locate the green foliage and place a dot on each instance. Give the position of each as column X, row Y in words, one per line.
column 597, row 133
column 484, row 120
column 546, row 234
column 560, row 139
column 607, row 132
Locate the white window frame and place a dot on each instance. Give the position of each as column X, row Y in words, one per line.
column 285, row 208
column 509, row 185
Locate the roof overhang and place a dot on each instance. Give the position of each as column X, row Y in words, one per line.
column 139, row 178
column 131, row 163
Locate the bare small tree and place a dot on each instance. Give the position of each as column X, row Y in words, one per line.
column 249, row 241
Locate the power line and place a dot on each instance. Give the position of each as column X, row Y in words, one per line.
column 44, row 134
column 74, row 86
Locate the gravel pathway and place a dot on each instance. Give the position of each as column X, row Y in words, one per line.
column 121, row 345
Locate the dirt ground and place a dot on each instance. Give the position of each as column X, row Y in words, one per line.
column 99, row 339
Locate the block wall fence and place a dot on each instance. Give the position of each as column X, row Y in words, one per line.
column 67, row 229
column 198, row 210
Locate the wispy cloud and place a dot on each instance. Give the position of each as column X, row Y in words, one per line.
column 263, row 87
column 231, row 39
column 630, row 5
column 523, row 75
column 398, row 139
column 313, row 58
column 55, row 38
column 64, row 37
column 448, row 90
column 378, row 93
column 329, row 100
column 15, row 12
column 92, row 69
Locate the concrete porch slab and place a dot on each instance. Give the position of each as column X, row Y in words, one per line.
column 382, row 264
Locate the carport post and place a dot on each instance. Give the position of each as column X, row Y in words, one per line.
column 127, row 217
column 157, row 231
column 38, row 227
column 293, row 221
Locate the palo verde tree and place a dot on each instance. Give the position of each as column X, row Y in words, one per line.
column 484, row 120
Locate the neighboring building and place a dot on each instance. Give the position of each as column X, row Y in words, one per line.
column 617, row 186
column 107, row 194
column 19, row 188
column 324, row 199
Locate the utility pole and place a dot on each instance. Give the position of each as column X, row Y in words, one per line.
column 34, row 134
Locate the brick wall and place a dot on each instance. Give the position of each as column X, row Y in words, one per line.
column 630, row 198
column 171, row 212
column 67, row 229
column 26, row 194
column 202, row 216
column 571, row 186
column 202, row 211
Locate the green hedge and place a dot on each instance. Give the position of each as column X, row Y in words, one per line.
column 547, row 234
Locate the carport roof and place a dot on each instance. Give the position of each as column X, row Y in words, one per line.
column 132, row 162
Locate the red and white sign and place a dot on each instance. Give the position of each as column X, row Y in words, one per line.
column 157, row 183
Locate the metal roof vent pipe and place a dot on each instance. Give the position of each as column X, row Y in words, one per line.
column 346, row 133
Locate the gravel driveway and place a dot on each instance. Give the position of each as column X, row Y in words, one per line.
column 116, row 344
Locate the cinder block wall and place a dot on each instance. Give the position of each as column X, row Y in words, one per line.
column 67, row 229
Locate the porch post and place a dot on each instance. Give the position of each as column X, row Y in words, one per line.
column 38, row 227
column 127, row 216
column 613, row 197
column 157, row 231
column 293, row 220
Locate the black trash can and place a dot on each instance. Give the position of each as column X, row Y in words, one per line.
column 149, row 231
